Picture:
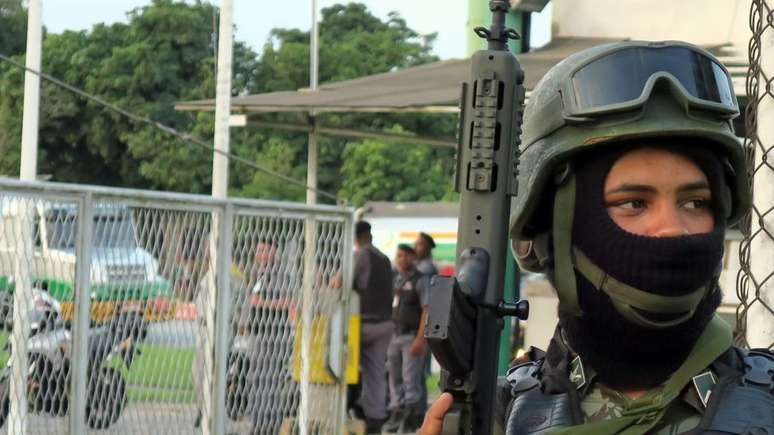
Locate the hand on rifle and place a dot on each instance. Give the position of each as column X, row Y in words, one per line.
column 433, row 424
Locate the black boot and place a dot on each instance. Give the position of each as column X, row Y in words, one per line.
column 396, row 420
column 413, row 421
column 374, row 426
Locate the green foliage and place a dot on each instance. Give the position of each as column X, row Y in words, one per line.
column 353, row 43
column 13, row 27
column 375, row 171
column 165, row 54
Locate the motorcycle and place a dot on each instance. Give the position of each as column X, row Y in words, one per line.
column 111, row 351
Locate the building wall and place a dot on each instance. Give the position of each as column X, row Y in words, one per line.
column 702, row 22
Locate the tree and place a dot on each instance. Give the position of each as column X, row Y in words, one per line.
column 376, row 171
column 353, row 43
column 13, row 27
column 163, row 54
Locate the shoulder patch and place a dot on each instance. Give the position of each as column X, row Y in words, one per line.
column 577, row 372
column 703, row 384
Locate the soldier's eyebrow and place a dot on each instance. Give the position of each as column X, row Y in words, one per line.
column 696, row 185
column 644, row 188
column 631, row 188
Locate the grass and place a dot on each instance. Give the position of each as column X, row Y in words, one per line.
column 162, row 374
column 158, row 374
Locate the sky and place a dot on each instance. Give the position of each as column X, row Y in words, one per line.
column 255, row 18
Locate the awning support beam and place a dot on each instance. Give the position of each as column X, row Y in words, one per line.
column 353, row 133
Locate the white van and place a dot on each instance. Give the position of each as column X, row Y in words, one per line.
column 123, row 275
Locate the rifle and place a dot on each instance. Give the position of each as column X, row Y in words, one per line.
column 465, row 313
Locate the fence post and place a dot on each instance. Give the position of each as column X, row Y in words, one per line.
column 22, row 298
column 347, row 271
column 307, row 322
column 82, row 316
column 222, row 315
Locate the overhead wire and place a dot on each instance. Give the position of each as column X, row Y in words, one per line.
column 185, row 137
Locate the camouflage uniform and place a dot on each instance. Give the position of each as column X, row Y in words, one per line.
column 601, row 403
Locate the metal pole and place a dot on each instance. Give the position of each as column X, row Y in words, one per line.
column 314, row 49
column 760, row 328
column 311, row 177
column 29, row 146
column 223, row 101
column 222, row 319
column 310, row 230
column 351, row 304
column 311, row 163
column 213, row 409
column 80, row 329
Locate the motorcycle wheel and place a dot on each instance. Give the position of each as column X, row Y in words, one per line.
column 5, row 402
column 236, row 387
column 107, row 398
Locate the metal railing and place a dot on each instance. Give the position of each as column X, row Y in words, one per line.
column 148, row 312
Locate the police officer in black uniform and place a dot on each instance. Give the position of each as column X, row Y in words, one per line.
column 407, row 350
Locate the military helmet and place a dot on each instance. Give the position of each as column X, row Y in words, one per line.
column 612, row 95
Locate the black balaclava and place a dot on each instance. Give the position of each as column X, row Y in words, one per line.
column 624, row 354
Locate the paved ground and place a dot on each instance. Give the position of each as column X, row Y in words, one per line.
column 145, row 419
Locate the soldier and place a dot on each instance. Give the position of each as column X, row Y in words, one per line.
column 406, row 354
column 630, row 174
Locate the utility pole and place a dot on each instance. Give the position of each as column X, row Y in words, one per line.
column 30, row 123
column 310, row 237
column 214, row 343
column 17, row 418
column 311, row 169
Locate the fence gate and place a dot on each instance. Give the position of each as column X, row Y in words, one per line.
column 128, row 311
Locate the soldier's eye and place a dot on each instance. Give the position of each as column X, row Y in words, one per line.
column 697, row 204
column 632, row 204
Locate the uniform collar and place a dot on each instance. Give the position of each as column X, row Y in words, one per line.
column 696, row 394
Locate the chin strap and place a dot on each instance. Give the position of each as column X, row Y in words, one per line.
column 627, row 299
column 642, row 414
column 564, row 274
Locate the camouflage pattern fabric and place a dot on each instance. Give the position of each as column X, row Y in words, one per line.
column 602, row 403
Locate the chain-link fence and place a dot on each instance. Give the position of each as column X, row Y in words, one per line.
column 755, row 286
column 138, row 312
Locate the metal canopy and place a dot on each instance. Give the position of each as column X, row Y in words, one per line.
column 433, row 87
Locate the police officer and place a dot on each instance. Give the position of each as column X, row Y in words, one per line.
column 423, row 246
column 373, row 282
column 630, row 174
column 407, row 350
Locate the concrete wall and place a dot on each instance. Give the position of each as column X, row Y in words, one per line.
column 702, row 22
